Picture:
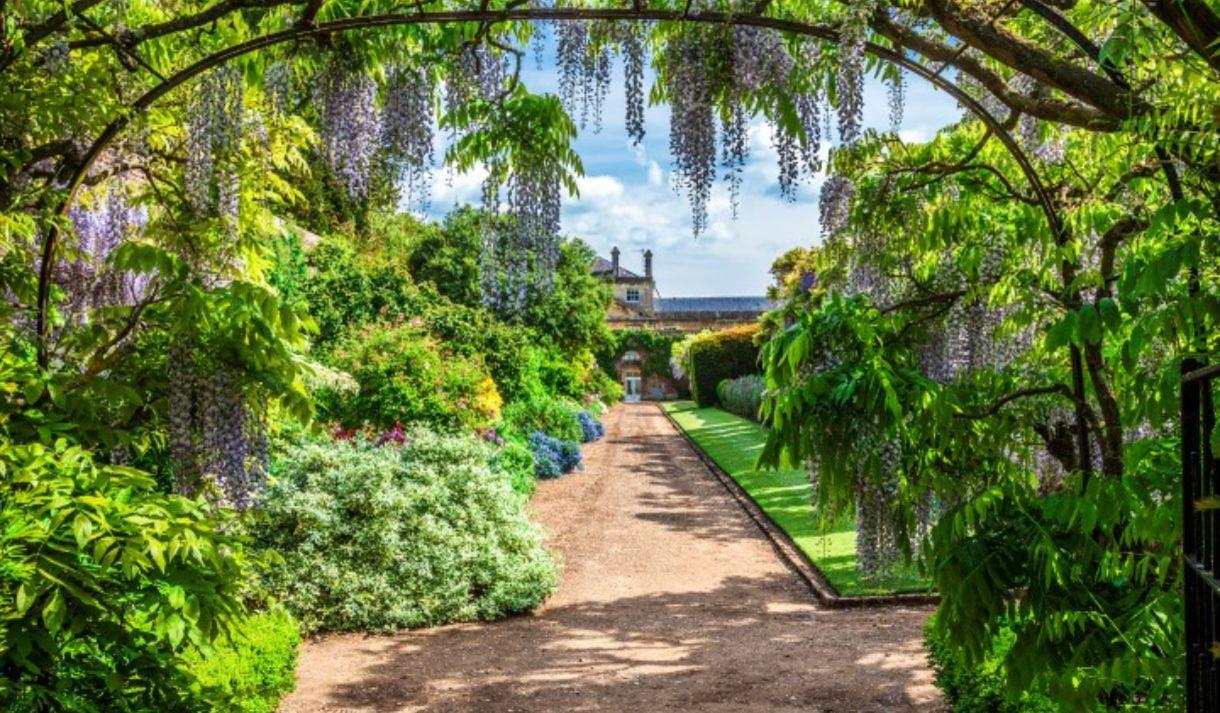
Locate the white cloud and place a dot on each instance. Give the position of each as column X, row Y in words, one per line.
column 450, row 188
column 655, row 177
column 599, row 188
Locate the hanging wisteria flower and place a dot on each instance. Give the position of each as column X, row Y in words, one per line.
column 850, row 83
column 520, row 253
column 571, row 45
column 834, row 206
column 88, row 282
column 347, row 109
column 692, row 128
column 218, row 438
column 634, row 59
column 407, row 129
column 584, row 59
column 758, row 58
column 54, row 59
column 799, row 160
column 735, row 140
column 896, row 90
column 277, row 86
column 479, row 72
column 214, row 129
column 797, row 152
column 986, row 99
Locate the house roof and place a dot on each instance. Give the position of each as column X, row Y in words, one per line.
column 713, row 304
column 602, row 266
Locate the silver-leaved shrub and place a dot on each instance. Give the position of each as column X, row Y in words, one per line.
column 378, row 538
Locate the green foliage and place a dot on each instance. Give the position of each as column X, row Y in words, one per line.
column 742, row 396
column 103, row 581
column 1072, row 557
column 352, row 284
column 406, row 375
column 448, row 256
column 289, row 269
column 252, row 669
column 980, row 687
column 715, row 356
column 509, row 352
column 571, row 316
column 514, row 460
column 605, row 388
column 384, row 538
column 349, row 286
column 541, row 412
column 655, row 348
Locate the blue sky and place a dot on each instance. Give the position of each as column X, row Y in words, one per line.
column 626, row 198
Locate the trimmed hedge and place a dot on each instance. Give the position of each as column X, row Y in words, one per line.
column 717, row 356
column 742, row 396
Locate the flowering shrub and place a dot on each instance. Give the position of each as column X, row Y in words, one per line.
column 378, row 539
column 590, row 428
column 405, row 376
column 553, row 457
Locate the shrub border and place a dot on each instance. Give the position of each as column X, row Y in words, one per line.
column 788, row 552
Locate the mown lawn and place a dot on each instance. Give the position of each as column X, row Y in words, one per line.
column 734, row 443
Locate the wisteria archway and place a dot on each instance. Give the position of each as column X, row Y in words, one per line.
column 716, row 69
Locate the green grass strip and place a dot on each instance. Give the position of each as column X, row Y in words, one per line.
column 734, row 444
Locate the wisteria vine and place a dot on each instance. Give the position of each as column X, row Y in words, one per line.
column 214, row 122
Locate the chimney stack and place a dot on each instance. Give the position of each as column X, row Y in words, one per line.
column 648, row 264
column 614, row 262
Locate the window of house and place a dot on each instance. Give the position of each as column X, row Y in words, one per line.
column 633, row 295
column 631, row 356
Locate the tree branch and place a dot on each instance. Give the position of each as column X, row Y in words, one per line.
column 1030, row 59
column 1194, row 22
column 995, row 406
column 1064, row 112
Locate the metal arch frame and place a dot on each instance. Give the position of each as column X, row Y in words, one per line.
column 638, row 14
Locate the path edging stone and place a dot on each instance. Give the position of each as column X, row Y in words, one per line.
column 786, row 548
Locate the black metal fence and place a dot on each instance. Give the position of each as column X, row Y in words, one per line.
column 1201, row 537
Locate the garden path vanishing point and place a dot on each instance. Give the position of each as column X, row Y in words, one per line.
column 670, row 600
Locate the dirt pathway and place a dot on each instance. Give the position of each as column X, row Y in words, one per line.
column 670, row 600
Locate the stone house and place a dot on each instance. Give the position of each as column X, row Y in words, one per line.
column 638, row 305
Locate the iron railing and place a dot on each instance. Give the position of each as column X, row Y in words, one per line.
column 1201, row 537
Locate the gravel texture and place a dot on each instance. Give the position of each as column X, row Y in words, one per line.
column 670, row 600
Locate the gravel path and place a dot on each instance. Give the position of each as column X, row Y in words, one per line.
column 670, row 600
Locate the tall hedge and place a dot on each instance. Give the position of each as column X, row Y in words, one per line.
column 717, row 356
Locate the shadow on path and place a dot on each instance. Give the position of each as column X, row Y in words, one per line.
column 670, row 601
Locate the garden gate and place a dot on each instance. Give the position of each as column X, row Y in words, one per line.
column 1201, row 536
